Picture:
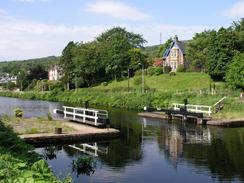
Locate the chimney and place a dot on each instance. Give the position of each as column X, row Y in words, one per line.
column 176, row 38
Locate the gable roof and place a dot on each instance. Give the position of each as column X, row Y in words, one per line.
column 177, row 43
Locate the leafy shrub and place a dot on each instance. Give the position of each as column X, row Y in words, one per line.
column 84, row 165
column 181, row 68
column 154, row 71
column 18, row 112
column 137, row 81
column 49, row 116
column 9, row 85
column 5, row 118
column 172, row 73
column 235, row 73
column 138, row 72
column 19, row 163
column 104, row 83
column 167, row 69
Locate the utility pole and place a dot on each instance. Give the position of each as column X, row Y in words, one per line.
column 142, row 78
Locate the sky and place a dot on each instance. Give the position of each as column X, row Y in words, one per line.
column 39, row 28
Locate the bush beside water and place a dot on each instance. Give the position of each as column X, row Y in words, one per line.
column 19, row 163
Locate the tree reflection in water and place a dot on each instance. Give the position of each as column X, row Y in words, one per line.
column 50, row 152
column 84, row 165
column 219, row 150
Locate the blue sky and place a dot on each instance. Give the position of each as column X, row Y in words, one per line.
column 37, row 28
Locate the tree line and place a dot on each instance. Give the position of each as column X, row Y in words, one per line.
column 219, row 53
column 112, row 55
column 116, row 54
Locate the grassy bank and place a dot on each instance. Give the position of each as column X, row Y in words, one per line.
column 34, row 125
column 19, row 163
column 163, row 83
column 166, row 90
column 234, row 108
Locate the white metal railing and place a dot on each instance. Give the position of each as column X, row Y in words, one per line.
column 84, row 115
column 90, row 149
column 194, row 108
column 219, row 102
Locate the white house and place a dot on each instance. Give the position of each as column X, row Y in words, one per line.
column 8, row 78
column 54, row 73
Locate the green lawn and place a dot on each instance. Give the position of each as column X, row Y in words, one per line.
column 163, row 91
column 165, row 82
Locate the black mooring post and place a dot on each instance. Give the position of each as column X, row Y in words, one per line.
column 185, row 102
column 86, row 104
column 107, row 123
column 185, row 110
column 170, row 117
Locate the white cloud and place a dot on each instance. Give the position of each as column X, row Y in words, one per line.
column 117, row 9
column 24, row 39
column 236, row 10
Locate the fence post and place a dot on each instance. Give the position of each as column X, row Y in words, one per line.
column 74, row 111
column 65, row 112
column 95, row 118
column 84, row 115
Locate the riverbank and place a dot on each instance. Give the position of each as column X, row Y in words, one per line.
column 19, row 162
column 233, row 106
column 208, row 121
column 40, row 131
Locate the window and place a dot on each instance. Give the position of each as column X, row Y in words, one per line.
column 173, row 53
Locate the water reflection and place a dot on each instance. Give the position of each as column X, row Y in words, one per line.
column 90, row 149
column 148, row 150
column 31, row 108
column 50, row 152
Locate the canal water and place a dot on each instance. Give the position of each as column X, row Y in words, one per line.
column 147, row 151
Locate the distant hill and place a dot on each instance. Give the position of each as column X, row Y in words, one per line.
column 15, row 66
column 151, row 51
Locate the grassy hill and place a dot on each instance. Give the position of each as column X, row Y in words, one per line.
column 165, row 82
column 14, row 66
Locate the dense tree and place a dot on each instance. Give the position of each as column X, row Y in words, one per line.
column 9, row 85
column 38, row 73
column 67, row 63
column 235, row 74
column 239, row 28
column 108, row 57
column 197, row 50
column 222, row 48
column 89, row 67
column 117, row 43
column 137, row 59
column 22, row 80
